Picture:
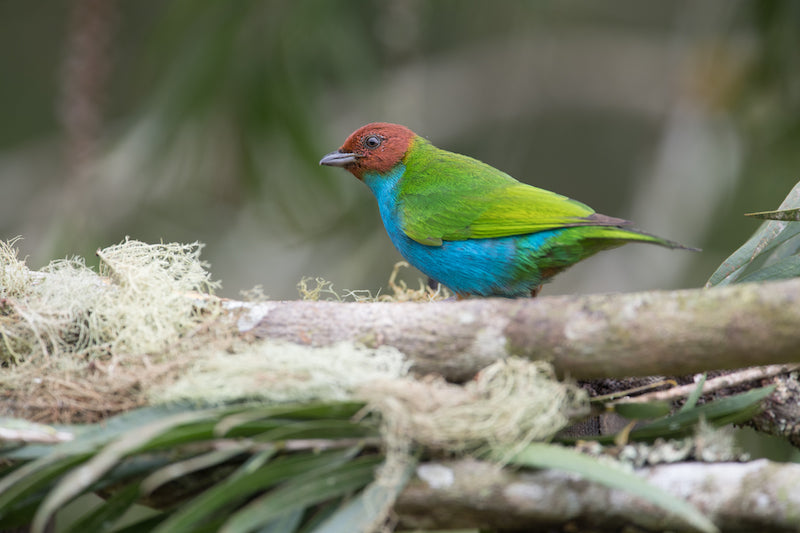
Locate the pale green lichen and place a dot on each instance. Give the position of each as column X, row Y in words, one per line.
column 143, row 298
column 509, row 404
column 281, row 372
column 79, row 344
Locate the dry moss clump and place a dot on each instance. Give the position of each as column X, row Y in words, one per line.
column 508, row 404
column 315, row 289
column 75, row 344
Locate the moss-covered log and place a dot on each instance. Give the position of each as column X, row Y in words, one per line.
column 586, row 337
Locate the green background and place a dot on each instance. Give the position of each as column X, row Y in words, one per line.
column 204, row 120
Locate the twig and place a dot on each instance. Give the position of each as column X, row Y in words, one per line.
column 720, row 382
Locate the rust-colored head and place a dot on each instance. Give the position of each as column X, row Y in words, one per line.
column 375, row 147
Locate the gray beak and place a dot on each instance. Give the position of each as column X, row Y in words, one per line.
column 338, row 159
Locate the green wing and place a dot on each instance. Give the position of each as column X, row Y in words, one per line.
column 451, row 197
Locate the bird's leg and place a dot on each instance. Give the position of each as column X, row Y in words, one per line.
column 535, row 291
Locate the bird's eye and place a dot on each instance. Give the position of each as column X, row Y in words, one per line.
column 372, row 142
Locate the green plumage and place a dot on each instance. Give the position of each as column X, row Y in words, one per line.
column 452, row 197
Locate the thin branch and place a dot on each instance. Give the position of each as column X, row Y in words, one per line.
column 718, row 383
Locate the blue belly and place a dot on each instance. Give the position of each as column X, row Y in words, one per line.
column 503, row 266
column 489, row 267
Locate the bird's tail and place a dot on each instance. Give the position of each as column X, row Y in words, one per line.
column 627, row 234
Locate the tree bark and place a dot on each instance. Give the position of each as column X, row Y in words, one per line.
column 585, row 337
column 755, row 496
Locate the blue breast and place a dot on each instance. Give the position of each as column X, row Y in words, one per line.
column 489, row 267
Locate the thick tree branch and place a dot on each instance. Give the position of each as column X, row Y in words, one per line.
column 759, row 495
column 586, row 337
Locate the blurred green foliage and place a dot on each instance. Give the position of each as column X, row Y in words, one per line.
column 680, row 115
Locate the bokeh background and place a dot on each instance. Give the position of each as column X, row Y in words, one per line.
column 201, row 120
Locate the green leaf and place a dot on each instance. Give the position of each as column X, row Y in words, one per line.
column 788, row 267
column 691, row 401
column 246, row 481
column 302, row 492
column 283, row 524
column 148, row 525
column 730, row 410
column 768, row 236
column 253, row 420
column 638, row 410
column 34, row 476
column 78, row 480
column 104, row 516
column 318, row 429
column 179, row 469
column 363, row 510
column 788, row 215
column 539, row 455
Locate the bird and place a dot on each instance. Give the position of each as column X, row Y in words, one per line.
column 472, row 227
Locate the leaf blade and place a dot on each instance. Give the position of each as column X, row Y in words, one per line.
column 539, row 455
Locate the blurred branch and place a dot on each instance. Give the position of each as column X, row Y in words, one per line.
column 86, row 68
column 469, row 493
column 585, row 337
column 725, row 381
column 781, row 413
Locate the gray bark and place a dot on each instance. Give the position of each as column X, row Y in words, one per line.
column 585, row 337
column 755, row 496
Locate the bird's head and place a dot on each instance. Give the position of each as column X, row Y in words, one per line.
column 376, row 147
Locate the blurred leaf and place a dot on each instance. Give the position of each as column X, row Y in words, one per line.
column 106, row 515
column 638, row 410
column 538, row 455
column 691, row 401
column 788, row 215
column 729, row 410
column 145, row 525
column 179, row 469
column 78, row 480
column 244, row 482
column 769, row 235
column 319, row 429
column 788, row 267
column 283, row 524
column 32, row 477
column 313, row 411
column 363, row 510
column 302, row 491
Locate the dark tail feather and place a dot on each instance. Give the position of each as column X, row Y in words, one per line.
column 628, row 233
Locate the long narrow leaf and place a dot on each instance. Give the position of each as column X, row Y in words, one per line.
column 780, row 214
column 691, row 401
column 106, row 515
column 318, row 429
column 279, row 415
column 362, row 511
column 80, row 479
column 718, row 413
column 284, row 524
column 732, row 409
column 538, row 455
column 179, row 469
column 33, row 477
column 240, row 486
column 300, row 493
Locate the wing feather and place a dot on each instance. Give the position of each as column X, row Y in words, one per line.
column 451, row 197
